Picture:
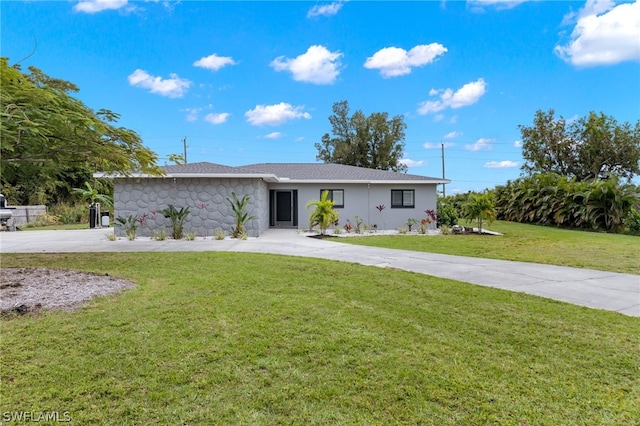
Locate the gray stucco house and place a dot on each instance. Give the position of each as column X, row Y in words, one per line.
column 278, row 195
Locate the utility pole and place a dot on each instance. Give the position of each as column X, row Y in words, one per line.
column 184, row 143
column 444, row 193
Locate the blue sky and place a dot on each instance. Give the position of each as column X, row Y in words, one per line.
column 249, row 82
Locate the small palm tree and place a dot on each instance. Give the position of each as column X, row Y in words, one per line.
column 91, row 194
column 324, row 214
column 239, row 207
column 480, row 208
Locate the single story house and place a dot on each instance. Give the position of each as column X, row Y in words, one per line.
column 278, row 195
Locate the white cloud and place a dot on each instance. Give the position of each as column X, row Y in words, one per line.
column 299, row 139
column 318, row 65
column 604, row 34
column 434, row 145
column 395, row 61
column 452, row 135
column 517, row 144
column 214, row 62
column 274, row 135
column 173, row 87
column 411, row 163
column 325, row 10
column 501, row 164
column 481, row 144
column 95, row 6
column 273, row 115
column 468, row 94
column 217, row 118
column 438, row 117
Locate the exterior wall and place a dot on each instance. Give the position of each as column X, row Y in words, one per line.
column 361, row 200
column 139, row 196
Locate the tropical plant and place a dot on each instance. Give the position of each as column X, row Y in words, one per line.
column 551, row 199
column 219, row 234
column 91, row 195
column 239, row 207
column 480, row 208
column 190, row 236
column 410, row 222
column 176, row 217
column 358, row 227
column 129, row 224
column 323, row 215
column 348, row 227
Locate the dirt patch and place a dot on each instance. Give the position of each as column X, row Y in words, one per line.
column 25, row 290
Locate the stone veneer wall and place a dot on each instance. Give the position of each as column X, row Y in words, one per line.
column 139, row 196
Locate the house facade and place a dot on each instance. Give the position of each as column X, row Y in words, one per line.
column 278, row 195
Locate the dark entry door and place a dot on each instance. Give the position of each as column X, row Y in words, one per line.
column 283, row 208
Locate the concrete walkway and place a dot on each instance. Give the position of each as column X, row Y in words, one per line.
column 595, row 289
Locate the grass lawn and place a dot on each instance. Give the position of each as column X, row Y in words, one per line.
column 527, row 243
column 227, row 338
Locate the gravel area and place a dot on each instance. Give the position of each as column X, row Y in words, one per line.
column 25, row 290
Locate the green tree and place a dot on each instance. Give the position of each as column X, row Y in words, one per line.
column 374, row 142
column 588, row 148
column 480, row 208
column 47, row 136
column 324, row 215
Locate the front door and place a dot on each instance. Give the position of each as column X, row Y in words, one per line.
column 283, row 208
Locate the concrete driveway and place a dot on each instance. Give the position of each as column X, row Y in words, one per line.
column 595, row 289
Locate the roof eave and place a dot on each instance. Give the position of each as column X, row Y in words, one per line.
column 264, row 176
column 368, row 181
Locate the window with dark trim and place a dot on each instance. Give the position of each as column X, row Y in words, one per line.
column 335, row 195
column 403, row 198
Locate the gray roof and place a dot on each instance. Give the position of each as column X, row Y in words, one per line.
column 199, row 168
column 293, row 172
column 329, row 171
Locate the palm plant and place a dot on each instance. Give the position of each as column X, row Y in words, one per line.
column 239, row 207
column 324, row 215
column 177, row 218
column 91, row 194
column 480, row 208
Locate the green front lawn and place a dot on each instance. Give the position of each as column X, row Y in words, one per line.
column 526, row 243
column 228, row 338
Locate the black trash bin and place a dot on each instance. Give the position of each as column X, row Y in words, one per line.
column 105, row 220
column 93, row 216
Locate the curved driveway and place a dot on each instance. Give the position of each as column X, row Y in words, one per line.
column 595, row 289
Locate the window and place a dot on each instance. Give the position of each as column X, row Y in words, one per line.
column 335, row 195
column 403, row 198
